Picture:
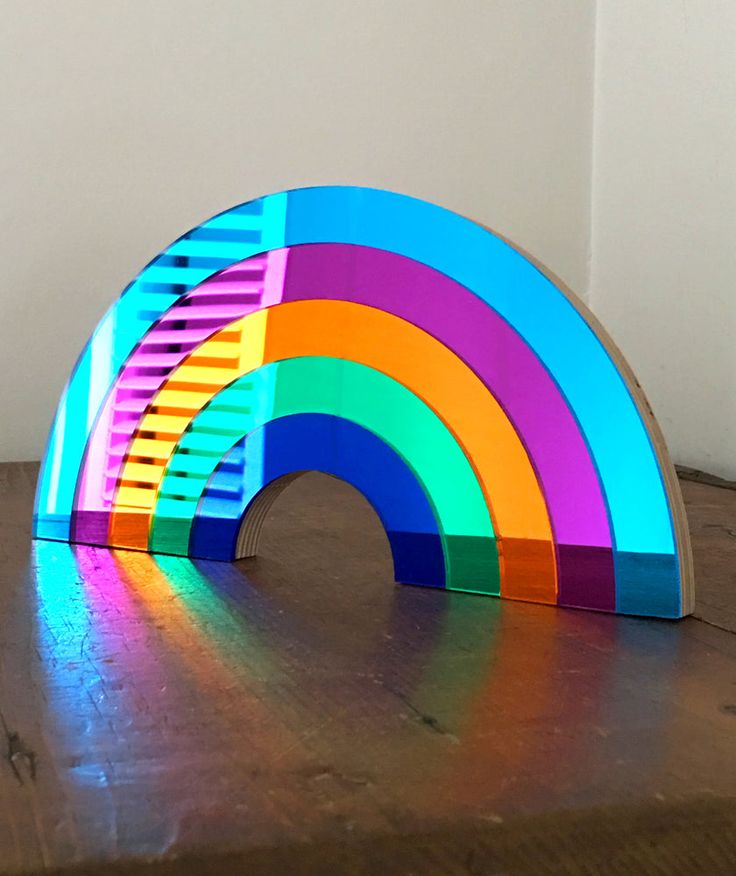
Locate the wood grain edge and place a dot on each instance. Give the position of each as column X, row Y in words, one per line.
column 667, row 467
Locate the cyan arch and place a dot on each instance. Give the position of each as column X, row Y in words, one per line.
column 652, row 557
column 318, row 442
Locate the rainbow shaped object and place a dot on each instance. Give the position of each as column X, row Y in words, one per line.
column 478, row 406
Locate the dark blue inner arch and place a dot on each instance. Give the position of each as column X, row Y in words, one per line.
column 320, row 442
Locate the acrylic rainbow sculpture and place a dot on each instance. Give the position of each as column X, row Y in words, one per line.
column 477, row 405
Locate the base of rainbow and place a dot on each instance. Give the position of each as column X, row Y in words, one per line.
column 477, row 406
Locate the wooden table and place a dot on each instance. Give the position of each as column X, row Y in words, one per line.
column 299, row 713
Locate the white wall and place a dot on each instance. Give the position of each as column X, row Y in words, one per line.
column 126, row 123
column 664, row 212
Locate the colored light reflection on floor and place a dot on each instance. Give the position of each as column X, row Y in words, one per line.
column 147, row 659
column 144, row 666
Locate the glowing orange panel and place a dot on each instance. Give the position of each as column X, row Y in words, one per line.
column 415, row 359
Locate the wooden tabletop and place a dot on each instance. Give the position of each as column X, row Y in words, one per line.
column 301, row 713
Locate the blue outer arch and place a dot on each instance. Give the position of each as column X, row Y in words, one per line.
column 646, row 556
column 335, row 446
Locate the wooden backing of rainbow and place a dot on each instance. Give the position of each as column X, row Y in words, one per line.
column 472, row 399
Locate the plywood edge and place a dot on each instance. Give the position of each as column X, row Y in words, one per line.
column 669, row 474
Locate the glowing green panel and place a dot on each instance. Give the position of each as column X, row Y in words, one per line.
column 356, row 393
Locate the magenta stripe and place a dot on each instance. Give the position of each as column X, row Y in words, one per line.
column 412, row 291
column 496, row 353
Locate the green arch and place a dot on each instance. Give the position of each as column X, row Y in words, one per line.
column 319, row 384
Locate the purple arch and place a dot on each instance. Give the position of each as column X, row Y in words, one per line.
column 433, row 302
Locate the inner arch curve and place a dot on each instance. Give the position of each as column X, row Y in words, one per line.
column 239, row 494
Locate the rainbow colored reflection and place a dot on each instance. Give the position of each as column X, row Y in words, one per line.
column 158, row 674
column 527, row 466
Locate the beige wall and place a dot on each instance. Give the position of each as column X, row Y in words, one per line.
column 125, row 123
column 664, row 212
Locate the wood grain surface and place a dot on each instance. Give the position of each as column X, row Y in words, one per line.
column 299, row 713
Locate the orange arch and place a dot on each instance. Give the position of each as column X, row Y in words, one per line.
column 380, row 340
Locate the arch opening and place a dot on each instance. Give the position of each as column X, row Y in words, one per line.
column 407, row 565
column 249, row 479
